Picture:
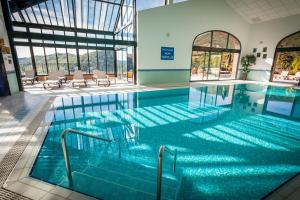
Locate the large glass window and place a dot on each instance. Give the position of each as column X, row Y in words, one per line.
column 75, row 35
column 24, row 58
column 215, row 56
column 40, row 60
column 286, row 67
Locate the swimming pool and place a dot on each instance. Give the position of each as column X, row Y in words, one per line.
column 233, row 142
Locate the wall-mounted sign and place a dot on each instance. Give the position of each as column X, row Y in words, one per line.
column 167, row 53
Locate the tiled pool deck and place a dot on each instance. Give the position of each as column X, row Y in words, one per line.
column 22, row 130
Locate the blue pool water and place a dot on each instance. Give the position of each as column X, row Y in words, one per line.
column 233, row 142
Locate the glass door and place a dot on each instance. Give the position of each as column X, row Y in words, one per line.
column 213, row 70
column 199, row 65
column 228, row 65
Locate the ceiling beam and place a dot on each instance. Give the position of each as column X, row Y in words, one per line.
column 61, row 28
column 65, row 38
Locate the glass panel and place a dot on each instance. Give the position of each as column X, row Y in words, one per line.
column 219, row 39
column 93, row 60
column 71, row 14
column 142, row 5
column 91, row 19
column 51, row 11
column 17, row 17
column 214, row 66
column 113, row 18
column 31, row 15
column 25, row 16
column 130, row 64
column 84, row 13
column 62, row 59
column 233, row 43
column 65, row 12
column 122, row 64
column 198, row 65
column 78, row 13
column 203, row 40
column 110, row 61
column 101, row 61
column 287, row 67
column 40, row 61
column 292, row 41
column 58, row 13
column 229, row 65
column 72, row 58
column 97, row 15
column 24, row 58
column 103, row 16
column 108, row 16
column 51, row 59
column 38, row 15
column 84, row 63
column 45, row 13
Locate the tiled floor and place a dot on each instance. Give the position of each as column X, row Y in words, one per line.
column 23, row 122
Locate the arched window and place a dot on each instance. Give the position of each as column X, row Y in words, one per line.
column 215, row 56
column 286, row 65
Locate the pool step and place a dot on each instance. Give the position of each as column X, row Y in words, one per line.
column 126, row 180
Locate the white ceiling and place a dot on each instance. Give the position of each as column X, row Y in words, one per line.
column 256, row 11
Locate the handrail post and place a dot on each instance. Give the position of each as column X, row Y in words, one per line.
column 161, row 151
column 159, row 172
column 66, row 156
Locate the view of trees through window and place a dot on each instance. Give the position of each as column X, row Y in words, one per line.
column 86, row 35
column 286, row 66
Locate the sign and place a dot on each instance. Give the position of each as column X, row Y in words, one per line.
column 167, row 53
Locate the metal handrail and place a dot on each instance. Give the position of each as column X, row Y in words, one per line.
column 161, row 151
column 65, row 150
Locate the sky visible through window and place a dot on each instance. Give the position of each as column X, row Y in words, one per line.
column 23, row 52
column 146, row 4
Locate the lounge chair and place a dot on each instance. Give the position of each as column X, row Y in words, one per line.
column 283, row 75
column 101, row 78
column 29, row 77
column 52, row 79
column 78, row 78
column 297, row 76
column 61, row 76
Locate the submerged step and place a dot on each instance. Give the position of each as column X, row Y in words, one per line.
column 108, row 185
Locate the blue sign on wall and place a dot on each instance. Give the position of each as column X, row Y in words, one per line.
column 167, row 53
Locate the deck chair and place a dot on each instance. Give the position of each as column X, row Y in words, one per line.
column 61, row 76
column 284, row 75
column 297, row 76
column 78, row 78
column 101, row 78
column 53, row 79
column 29, row 77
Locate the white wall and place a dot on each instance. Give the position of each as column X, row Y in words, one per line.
column 268, row 34
column 183, row 21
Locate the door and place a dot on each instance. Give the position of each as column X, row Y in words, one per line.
column 213, row 70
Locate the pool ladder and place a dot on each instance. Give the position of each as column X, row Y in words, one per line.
column 162, row 149
column 65, row 149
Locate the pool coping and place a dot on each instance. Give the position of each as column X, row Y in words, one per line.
column 21, row 183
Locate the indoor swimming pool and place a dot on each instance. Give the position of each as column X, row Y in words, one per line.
column 232, row 142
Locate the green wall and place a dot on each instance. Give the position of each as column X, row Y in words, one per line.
column 148, row 77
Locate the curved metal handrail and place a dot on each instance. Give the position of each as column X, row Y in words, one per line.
column 161, row 151
column 65, row 150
